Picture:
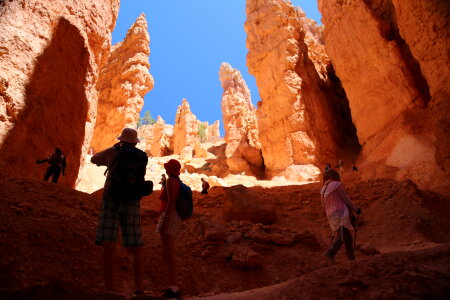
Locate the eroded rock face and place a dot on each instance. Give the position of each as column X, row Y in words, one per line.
column 185, row 129
column 243, row 150
column 392, row 59
column 303, row 114
column 162, row 143
column 50, row 56
column 123, row 82
column 145, row 135
column 213, row 131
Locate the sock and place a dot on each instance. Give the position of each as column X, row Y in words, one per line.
column 174, row 288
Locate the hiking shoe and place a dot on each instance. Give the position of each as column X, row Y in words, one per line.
column 169, row 294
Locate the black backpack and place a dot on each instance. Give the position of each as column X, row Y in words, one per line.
column 127, row 174
column 184, row 204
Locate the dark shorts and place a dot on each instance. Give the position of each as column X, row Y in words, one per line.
column 204, row 192
column 125, row 215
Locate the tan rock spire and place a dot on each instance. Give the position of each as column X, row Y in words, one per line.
column 213, row 131
column 243, row 150
column 162, row 138
column 50, row 56
column 295, row 115
column 186, row 128
column 122, row 85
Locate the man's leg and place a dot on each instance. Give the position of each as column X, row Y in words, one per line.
column 106, row 236
column 109, row 249
column 130, row 222
column 48, row 173
column 138, row 266
column 56, row 172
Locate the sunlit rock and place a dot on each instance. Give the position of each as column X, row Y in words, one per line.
column 243, row 150
column 123, row 82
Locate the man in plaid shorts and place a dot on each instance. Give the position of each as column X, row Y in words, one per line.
column 120, row 211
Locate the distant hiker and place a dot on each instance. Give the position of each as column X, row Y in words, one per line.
column 163, row 181
column 57, row 163
column 337, row 207
column 205, row 187
column 354, row 168
column 121, row 204
column 327, row 168
column 169, row 225
column 340, row 167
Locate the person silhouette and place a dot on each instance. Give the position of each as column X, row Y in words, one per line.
column 56, row 165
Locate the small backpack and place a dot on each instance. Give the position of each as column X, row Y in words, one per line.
column 127, row 174
column 184, row 204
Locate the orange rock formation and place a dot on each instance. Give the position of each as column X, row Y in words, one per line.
column 145, row 134
column 162, row 138
column 392, row 58
column 186, row 131
column 243, row 150
column 303, row 114
column 213, row 132
column 50, row 56
column 124, row 80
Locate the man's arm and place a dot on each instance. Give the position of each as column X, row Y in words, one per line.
column 103, row 158
column 42, row 160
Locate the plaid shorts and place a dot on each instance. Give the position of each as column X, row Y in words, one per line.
column 127, row 215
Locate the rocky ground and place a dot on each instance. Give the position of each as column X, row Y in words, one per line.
column 242, row 243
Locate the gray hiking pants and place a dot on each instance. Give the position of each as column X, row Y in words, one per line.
column 342, row 236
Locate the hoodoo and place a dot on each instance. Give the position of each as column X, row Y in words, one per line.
column 243, row 150
column 123, row 82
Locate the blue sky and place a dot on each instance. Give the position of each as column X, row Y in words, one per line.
column 188, row 42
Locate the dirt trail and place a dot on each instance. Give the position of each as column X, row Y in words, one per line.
column 47, row 233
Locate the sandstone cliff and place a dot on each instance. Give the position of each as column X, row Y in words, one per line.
column 123, row 82
column 50, row 56
column 243, row 148
column 303, row 115
column 392, row 58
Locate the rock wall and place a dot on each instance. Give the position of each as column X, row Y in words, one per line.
column 163, row 138
column 243, row 148
column 123, row 82
column 392, row 58
column 145, row 135
column 303, row 115
column 50, row 56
